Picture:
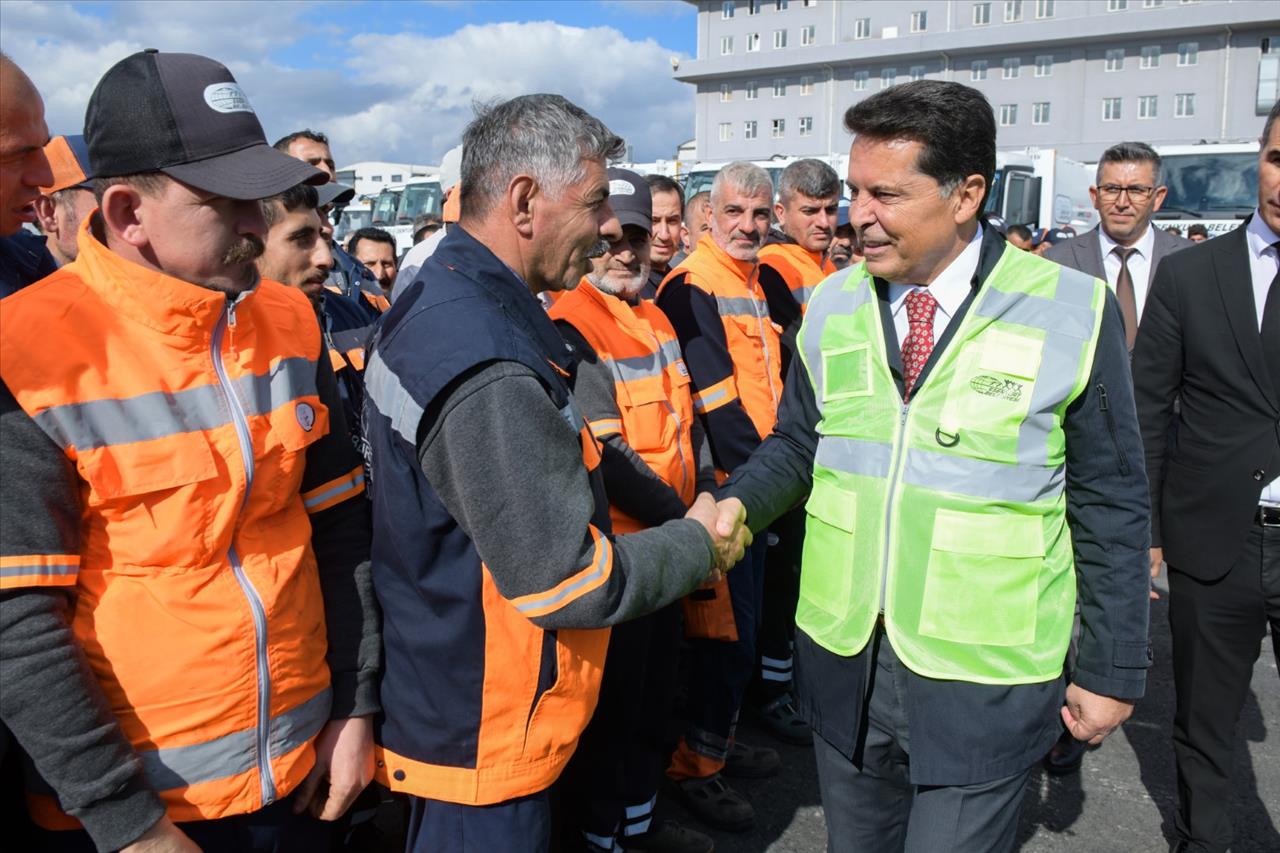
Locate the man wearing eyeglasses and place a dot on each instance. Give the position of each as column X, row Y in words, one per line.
column 1124, row 249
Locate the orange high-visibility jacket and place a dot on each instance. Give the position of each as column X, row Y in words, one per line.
column 651, row 385
column 799, row 268
column 197, row 600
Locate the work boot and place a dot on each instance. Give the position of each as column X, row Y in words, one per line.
column 751, row 762
column 715, row 803
column 781, row 719
column 669, row 837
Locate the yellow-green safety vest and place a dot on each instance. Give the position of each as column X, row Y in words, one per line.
column 949, row 514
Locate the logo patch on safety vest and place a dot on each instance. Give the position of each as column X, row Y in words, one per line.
column 306, row 415
column 227, row 98
column 684, row 371
column 993, row 386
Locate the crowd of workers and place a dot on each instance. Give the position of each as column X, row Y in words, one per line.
column 447, row 521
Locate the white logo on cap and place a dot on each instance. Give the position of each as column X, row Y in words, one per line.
column 621, row 187
column 306, row 416
column 227, row 98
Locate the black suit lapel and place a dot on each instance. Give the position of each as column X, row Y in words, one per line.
column 1235, row 285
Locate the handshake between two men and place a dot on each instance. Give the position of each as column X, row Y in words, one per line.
column 726, row 522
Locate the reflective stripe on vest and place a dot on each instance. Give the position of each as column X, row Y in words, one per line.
column 949, row 513
column 801, row 269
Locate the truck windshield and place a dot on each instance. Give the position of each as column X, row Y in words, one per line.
column 384, row 209
column 1206, row 184
column 419, row 199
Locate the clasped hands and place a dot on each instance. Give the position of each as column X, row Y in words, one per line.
column 726, row 522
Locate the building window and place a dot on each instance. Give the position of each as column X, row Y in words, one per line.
column 862, row 28
column 888, row 76
column 780, row 5
column 860, row 81
column 1117, row 5
column 1044, row 9
column 981, row 14
column 919, row 22
column 978, row 69
column 726, row 9
column 779, row 39
column 753, row 42
column 752, row 90
column 808, row 35
column 726, row 93
column 748, row 130
column 779, row 88
column 377, row 179
column 395, row 179
column 806, row 85
column 1040, row 112
column 1110, row 109
column 1184, row 106
column 726, row 131
column 1115, row 60
column 1152, row 4
column 1044, row 66
column 1012, row 11
column 726, row 45
column 1150, row 57
column 1188, row 53
column 809, row 4
column 1146, row 106
column 1188, row 2
column 778, row 128
column 1012, row 68
column 1008, row 115
column 917, row 72
column 753, row 7
column 806, row 125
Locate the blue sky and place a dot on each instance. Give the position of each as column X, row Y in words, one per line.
column 386, row 80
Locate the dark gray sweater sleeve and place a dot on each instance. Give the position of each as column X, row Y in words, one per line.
column 509, row 469
column 50, row 700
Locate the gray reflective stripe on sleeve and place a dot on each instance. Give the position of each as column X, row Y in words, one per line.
column 854, row 456
column 542, row 602
column 60, row 570
column 633, row 812
column 829, row 301
column 802, row 294
column 569, row 411
column 345, row 486
column 741, row 305
column 960, row 475
column 702, row 403
column 389, row 397
column 158, row 414
column 236, row 753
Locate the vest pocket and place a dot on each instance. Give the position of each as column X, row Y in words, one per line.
column 983, row 579
column 846, row 373
column 828, row 548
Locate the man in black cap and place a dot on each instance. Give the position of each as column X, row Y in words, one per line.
column 185, row 522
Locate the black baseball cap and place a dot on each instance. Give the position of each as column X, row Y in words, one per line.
column 335, row 193
column 630, row 198
column 185, row 115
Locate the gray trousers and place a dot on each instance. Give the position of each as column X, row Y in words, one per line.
column 878, row 810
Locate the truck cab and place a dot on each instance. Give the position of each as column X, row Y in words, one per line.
column 1214, row 184
column 1040, row 188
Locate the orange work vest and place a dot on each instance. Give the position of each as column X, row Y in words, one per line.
column 799, row 268
column 753, row 339
column 197, row 600
column 650, row 380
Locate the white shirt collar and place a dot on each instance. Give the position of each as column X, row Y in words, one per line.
column 1145, row 246
column 952, row 285
column 1259, row 235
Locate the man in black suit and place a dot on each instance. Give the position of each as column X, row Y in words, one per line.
column 1124, row 250
column 1211, row 337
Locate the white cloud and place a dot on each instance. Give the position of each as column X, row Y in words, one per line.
column 399, row 97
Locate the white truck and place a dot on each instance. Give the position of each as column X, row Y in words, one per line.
column 1213, row 184
column 417, row 197
column 1040, row 188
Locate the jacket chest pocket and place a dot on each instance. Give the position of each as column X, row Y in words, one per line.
column 647, row 413
column 991, row 389
column 291, row 429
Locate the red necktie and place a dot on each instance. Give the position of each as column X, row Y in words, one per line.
column 918, row 346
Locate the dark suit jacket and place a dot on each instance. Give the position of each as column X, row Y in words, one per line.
column 1199, row 340
column 1084, row 252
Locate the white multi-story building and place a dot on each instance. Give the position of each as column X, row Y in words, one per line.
column 370, row 176
column 775, row 76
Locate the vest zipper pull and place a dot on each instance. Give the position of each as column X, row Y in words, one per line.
column 231, row 329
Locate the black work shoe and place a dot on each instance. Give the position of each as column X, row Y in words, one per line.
column 669, row 837
column 715, row 803
column 781, row 719
column 751, row 762
column 1066, row 756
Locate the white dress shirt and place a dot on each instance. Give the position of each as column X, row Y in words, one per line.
column 950, row 288
column 1263, row 264
column 1139, row 263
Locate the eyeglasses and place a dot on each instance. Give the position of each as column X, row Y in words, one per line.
column 1137, row 193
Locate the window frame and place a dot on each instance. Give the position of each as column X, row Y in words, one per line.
column 1107, row 103
column 1039, row 116
column 986, row 15
column 1008, row 115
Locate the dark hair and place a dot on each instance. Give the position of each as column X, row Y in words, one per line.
column 1130, row 152
column 812, row 178
column 377, row 235
column 952, row 122
column 1022, row 232
column 663, row 184
column 299, row 195
column 1197, row 228
column 147, row 183
column 1271, row 119
column 283, row 143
